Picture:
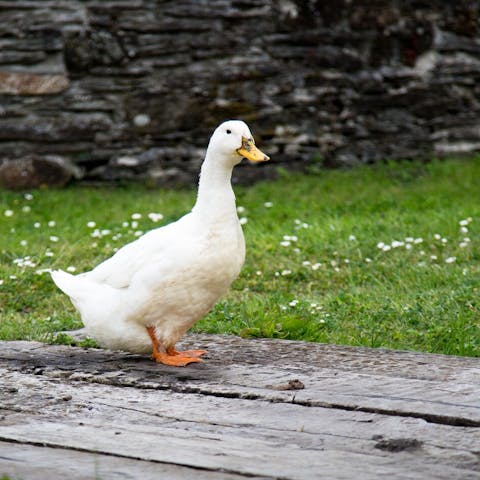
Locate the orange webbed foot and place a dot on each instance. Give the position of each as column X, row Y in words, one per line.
column 173, row 360
column 186, row 353
column 172, row 357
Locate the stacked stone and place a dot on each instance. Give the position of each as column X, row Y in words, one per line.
column 108, row 90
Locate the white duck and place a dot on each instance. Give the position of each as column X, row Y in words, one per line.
column 154, row 289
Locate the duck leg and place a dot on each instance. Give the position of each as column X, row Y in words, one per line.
column 176, row 360
column 186, row 353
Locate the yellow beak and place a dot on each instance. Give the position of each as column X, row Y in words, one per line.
column 251, row 152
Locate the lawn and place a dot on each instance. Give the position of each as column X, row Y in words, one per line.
column 382, row 256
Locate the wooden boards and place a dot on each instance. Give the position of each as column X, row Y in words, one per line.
column 253, row 409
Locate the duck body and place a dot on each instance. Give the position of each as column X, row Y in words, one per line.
column 163, row 280
column 154, row 289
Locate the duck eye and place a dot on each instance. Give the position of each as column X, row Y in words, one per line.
column 229, row 132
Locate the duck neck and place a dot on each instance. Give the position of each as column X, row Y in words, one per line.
column 215, row 197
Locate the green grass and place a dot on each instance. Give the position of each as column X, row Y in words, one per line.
column 332, row 283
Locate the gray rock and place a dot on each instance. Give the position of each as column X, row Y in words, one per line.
column 34, row 171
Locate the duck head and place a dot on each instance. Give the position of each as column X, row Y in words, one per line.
column 233, row 141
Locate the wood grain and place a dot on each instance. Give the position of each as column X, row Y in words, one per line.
column 361, row 414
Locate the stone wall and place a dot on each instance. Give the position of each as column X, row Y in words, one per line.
column 123, row 88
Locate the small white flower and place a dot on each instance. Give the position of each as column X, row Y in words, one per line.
column 243, row 220
column 136, row 216
column 293, row 303
column 28, row 196
column 463, row 229
column 12, row 277
column 464, row 223
column 333, row 263
column 437, row 236
column 408, row 246
column 37, row 225
column 138, row 233
column 258, row 272
column 155, row 217
column 313, row 305
column 433, row 257
column 466, row 239
column 51, row 223
column 71, row 269
column 23, row 243
column 296, row 250
column 286, row 272
column 277, row 274
column 450, row 259
column 463, row 244
column 422, row 252
column 134, row 224
column 368, row 260
column 290, row 238
column 1, row 282
column 41, row 271
column 26, row 209
column 125, row 224
column 283, row 307
column 316, row 266
column 285, row 243
column 352, row 238
column 105, row 232
column 386, row 248
column 409, row 239
column 91, row 224
column 49, row 253
column 8, row 213
column 418, row 240
column 240, row 209
column 306, row 263
column 54, row 238
column 396, row 244
column 380, row 245
column 268, row 204
column 444, row 240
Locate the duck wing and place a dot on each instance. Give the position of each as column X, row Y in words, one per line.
column 154, row 247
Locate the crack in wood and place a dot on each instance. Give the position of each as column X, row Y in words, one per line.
column 430, row 418
column 133, row 457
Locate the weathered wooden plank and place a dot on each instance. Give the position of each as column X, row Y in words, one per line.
column 29, row 462
column 236, row 413
column 438, row 388
column 236, row 436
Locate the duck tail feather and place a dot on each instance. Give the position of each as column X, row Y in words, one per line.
column 76, row 287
